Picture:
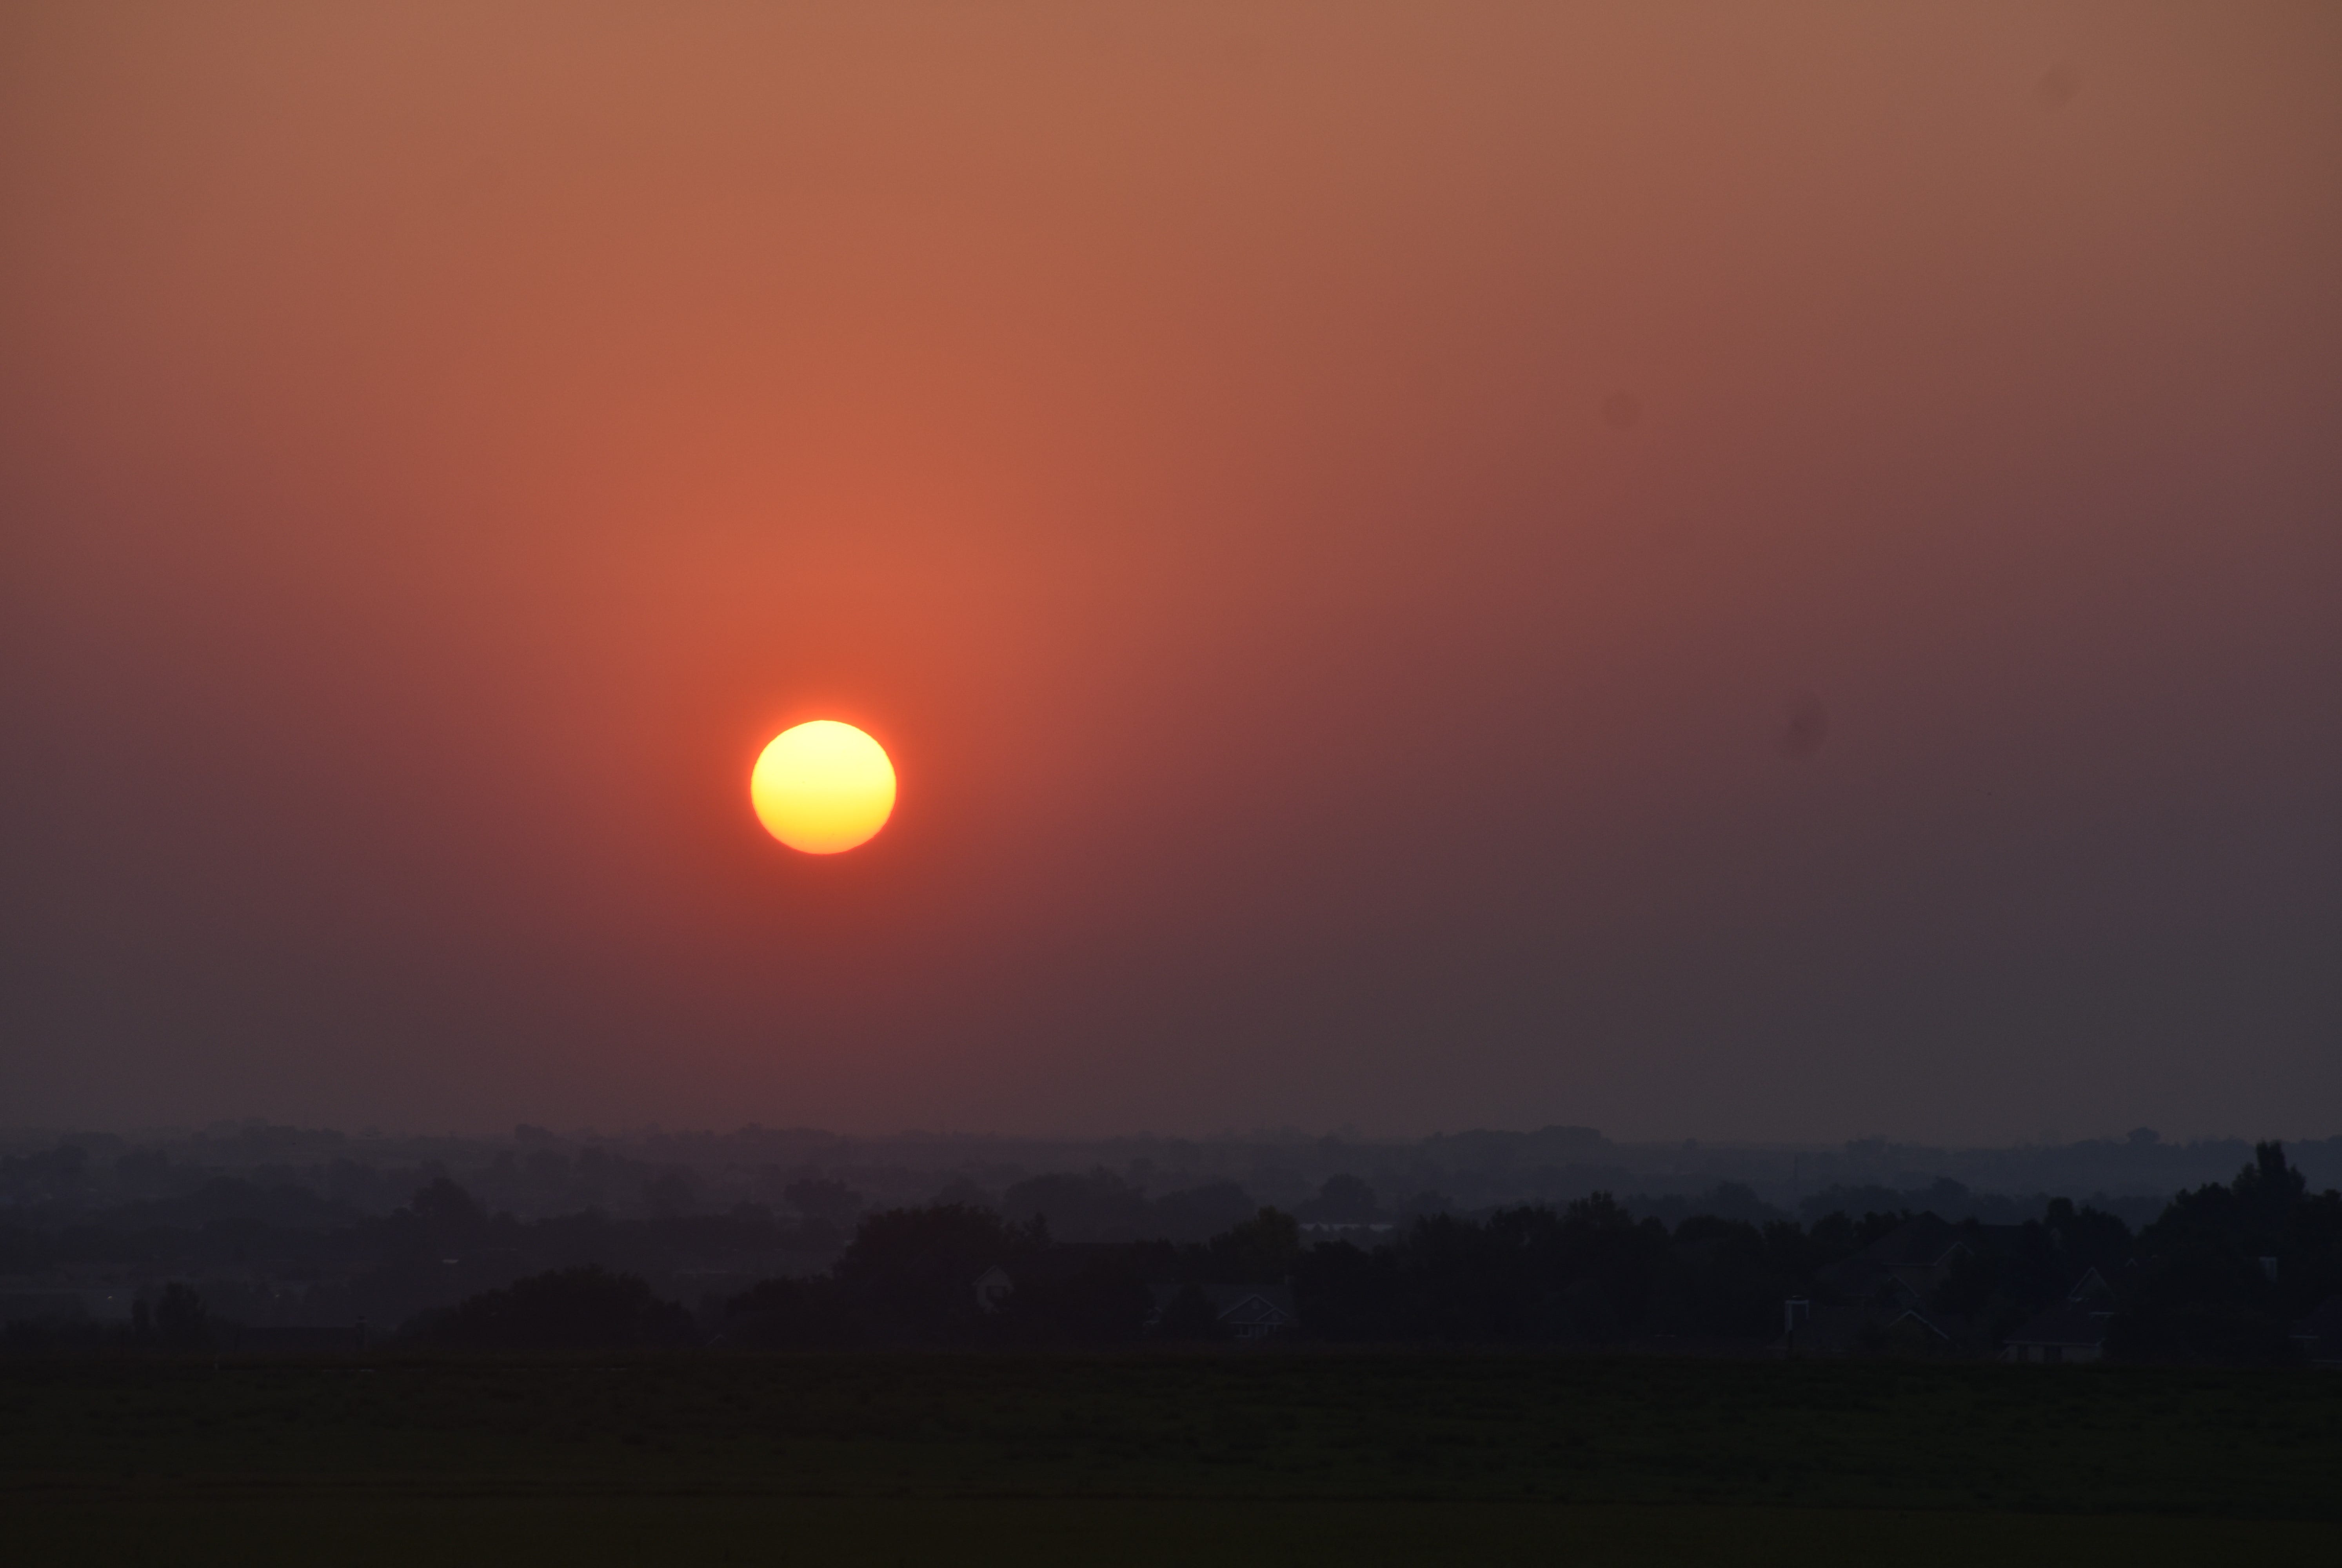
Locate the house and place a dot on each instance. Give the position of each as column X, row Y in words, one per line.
column 2074, row 1330
column 2093, row 1285
column 1898, row 1272
column 993, row 1288
column 2071, row 1330
column 1879, row 1299
column 1886, row 1324
column 1920, row 1253
column 1928, row 1329
column 1248, row 1312
column 2318, row 1336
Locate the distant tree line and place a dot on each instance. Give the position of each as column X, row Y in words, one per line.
column 2223, row 1275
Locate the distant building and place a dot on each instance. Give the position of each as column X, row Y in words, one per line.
column 1914, row 1326
column 993, row 1289
column 2074, row 1330
column 2318, row 1336
column 1896, row 1273
column 1918, row 1253
column 1249, row 1312
column 1878, row 1299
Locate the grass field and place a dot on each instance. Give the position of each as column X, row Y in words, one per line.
column 1276, row 1458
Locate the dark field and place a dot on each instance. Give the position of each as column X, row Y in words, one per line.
column 1158, row 1459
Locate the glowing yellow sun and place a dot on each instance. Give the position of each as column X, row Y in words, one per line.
column 823, row 787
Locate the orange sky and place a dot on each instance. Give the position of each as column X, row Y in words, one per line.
column 1334, row 511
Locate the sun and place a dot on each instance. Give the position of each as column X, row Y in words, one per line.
column 823, row 787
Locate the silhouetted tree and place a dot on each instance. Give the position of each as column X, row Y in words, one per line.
column 1832, row 1236
column 2224, row 1270
column 176, row 1320
column 1262, row 1249
column 54, row 1174
column 586, row 1308
column 673, row 1191
column 1343, row 1200
column 1190, row 1318
column 909, row 1274
column 1196, row 1214
column 1344, row 1294
column 790, row 1314
column 448, row 1215
column 1588, row 1274
column 2267, row 1192
column 1097, row 1207
column 2089, row 1238
column 820, row 1198
column 1720, row 1281
column 1099, row 1299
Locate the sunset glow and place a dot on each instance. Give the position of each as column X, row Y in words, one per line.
column 823, row 787
column 1763, row 569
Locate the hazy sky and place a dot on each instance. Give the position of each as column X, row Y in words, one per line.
column 1759, row 571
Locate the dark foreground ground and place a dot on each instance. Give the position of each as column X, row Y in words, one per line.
column 1276, row 1458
